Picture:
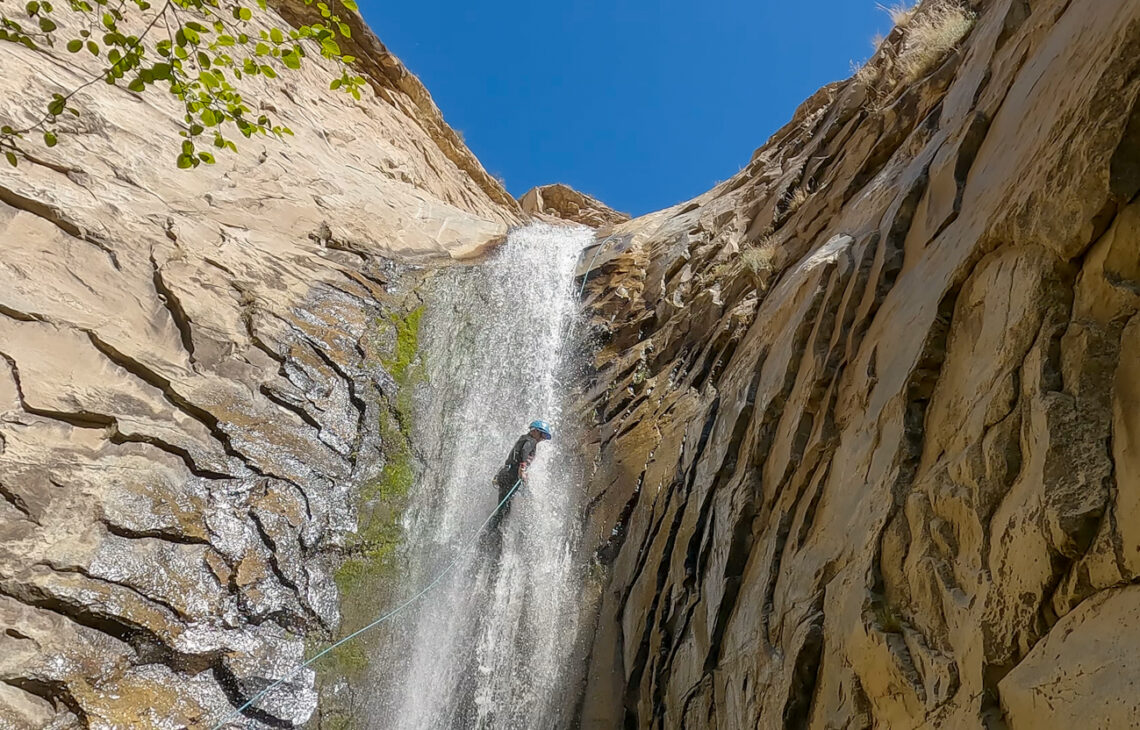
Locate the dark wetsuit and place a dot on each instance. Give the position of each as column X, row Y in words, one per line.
column 521, row 453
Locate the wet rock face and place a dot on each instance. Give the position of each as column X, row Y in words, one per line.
column 565, row 203
column 867, row 453
column 189, row 387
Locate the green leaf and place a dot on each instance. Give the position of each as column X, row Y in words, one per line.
column 75, row 46
column 225, row 40
column 348, row 59
column 57, row 105
column 32, row 8
column 93, row 47
column 350, row 4
column 244, row 13
column 11, row 159
column 261, row 49
column 345, row 30
column 209, row 117
column 206, row 157
column 108, row 21
column 291, row 59
column 276, row 36
column 47, row 25
column 187, row 147
column 50, row 139
column 335, row 84
column 269, row 72
column 185, row 161
column 138, row 85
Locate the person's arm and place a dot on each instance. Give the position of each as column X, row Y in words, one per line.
column 526, row 456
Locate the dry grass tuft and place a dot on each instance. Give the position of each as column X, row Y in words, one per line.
column 901, row 12
column 931, row 35
column 800, row 196
column 761, row 260
column 867, row 74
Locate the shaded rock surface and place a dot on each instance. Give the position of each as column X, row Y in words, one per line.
column 868, row 410
column 565, row 203
column 190, row 382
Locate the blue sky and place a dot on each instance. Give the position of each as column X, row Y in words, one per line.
column 640, row 103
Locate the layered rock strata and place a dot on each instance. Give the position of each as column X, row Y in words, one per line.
column 191, row 380
column 565, row 203
column 868, row 452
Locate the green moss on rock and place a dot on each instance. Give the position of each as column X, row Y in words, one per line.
column 400, row 365
column 369, row 572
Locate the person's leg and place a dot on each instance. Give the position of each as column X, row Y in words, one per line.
column 500, row 512
column 505, row 487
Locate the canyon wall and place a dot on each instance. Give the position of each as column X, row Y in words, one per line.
column 867, row 449
column 193, row 369
column 869, row 409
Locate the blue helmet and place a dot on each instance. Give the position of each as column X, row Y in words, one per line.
column 542, row 427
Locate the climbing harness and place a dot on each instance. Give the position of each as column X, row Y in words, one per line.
column 395, row 611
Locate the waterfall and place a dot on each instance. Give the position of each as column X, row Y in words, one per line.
column 490, row 647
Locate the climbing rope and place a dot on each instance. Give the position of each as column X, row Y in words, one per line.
column 424, row 591
column 395, row 611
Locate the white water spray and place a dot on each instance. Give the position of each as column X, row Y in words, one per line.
column 490, row 648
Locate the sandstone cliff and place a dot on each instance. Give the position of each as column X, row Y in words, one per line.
column 565, row 203
column 868, row 453
column 192, row 368
column 869, row 409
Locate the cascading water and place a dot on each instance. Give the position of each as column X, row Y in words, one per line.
column 489, row 648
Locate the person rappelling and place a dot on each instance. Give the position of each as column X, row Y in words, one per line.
column 514, row 471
